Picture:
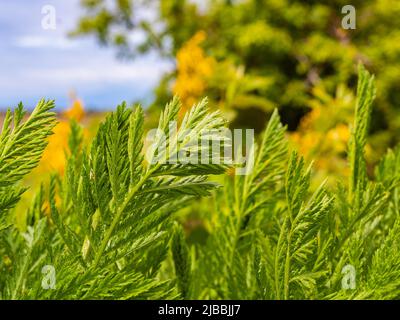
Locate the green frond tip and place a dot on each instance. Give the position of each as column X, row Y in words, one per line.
column 22, row 143
column 21, row 146
column 135, row 143
column 366, row 92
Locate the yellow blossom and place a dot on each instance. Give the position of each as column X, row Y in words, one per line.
column 322, row 134
column 193, row 70
column 76, row 111
column 54, row 155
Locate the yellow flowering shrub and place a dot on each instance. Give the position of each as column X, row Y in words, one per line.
column 76, row 111
column 194, row 67
column 54, row 155
column 323, row 133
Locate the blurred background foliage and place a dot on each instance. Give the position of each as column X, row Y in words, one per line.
column 249, row 56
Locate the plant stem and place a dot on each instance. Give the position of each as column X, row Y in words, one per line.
column 287, row 270
column 117, row 217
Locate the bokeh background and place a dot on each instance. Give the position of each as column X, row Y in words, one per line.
column 247, row 56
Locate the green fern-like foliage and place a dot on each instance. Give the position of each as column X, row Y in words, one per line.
column 113, row 230
column 109, row 232
column 21, row 146
column 271, row 237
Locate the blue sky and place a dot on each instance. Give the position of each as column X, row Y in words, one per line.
column 36, row 63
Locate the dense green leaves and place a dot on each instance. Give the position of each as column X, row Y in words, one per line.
column 116, row 209
column 112, row 230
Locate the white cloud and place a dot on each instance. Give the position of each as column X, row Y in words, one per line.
column 92, row 75
column 45, row 42
column 46, row 63
column 107, row 73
